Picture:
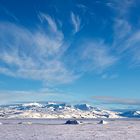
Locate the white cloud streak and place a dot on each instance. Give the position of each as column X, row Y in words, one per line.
column 122, row 9
column 127, row 41
column 49, row 20
column 8, row 13
column 116, row 100
column 38, row 54
column 76, row 22
column 97, row 56
column 33, row 54
column 109, row 76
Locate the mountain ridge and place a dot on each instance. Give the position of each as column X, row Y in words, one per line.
column 60, row 110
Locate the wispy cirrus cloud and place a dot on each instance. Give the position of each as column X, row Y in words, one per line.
column 8, row 13
column 92, row 56
column 126, row 41
column 51, row 22
column 97, row 56
column 126, row 36
column 122, row 9
column 32, row 54
column 122, row 29
column 76, row 21
column 109, row 76
column 132, row 46
column 38, row 53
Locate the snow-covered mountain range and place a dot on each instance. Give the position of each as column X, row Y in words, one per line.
column 59, row 110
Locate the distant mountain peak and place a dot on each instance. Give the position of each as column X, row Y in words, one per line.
column 34, row 104
column 85, row 107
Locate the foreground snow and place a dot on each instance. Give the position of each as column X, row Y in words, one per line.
column 57, row 129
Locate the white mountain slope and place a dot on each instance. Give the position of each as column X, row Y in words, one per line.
column 131, row 114
column 54, row 110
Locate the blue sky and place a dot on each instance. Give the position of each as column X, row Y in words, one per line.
column 70, row 50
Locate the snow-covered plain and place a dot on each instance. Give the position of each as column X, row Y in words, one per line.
column 47, row 121
column 46, row 129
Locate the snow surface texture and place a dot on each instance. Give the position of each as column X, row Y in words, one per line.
column 57, row 130
column 55, row 110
